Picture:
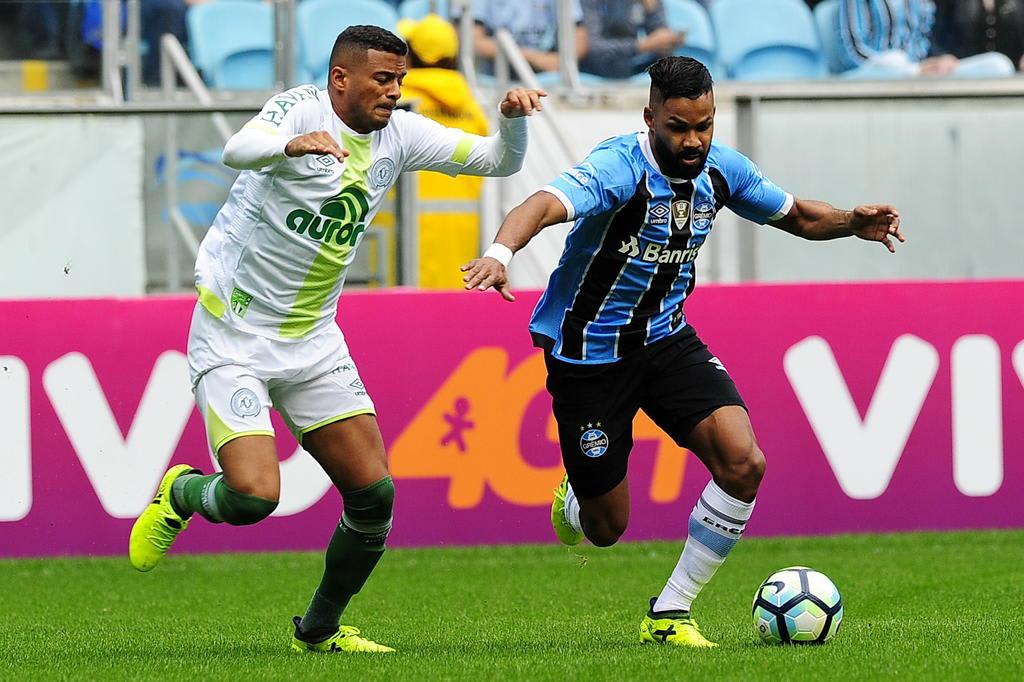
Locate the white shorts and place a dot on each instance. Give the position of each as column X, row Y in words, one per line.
column 237, row 377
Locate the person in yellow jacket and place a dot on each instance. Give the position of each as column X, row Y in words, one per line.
column 448, row 207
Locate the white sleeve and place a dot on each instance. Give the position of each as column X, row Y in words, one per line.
column 261, row 141
column 431, row 146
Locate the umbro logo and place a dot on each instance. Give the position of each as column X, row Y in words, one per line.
column 658, row 214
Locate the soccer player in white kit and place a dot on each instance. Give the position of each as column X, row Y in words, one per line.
column 316, row 165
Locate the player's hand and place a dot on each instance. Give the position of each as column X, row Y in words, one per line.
column 318, row 143
column 521, row 102
column 484, row 273
column 877, row 223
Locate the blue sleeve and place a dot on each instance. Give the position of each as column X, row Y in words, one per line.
column 751, row 194
column 602, row 181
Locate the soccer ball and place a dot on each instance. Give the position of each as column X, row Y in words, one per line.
column 797, row 605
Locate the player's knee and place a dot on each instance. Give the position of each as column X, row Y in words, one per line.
column 741, row 475
column 241, row 508
column 604, row 532
column 368, row 511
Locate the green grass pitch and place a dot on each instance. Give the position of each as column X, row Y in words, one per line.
column 918, row 606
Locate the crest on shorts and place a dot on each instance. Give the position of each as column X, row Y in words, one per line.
column 680, row 213
column 594, row 442
column 245, row 403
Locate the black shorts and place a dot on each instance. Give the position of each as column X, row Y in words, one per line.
column 676, row 381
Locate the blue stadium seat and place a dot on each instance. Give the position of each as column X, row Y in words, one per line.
column 232, row 43
column 320, row 21
column 826, row 16
column 417, row 9
column 691, row 17
column 767, row 39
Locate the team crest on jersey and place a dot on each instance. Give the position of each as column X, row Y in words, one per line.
column 382, row 172
column 703, row 214
column 658, row 215
column 680, row 213
column 240, row 302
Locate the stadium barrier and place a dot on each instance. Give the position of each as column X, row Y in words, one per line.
column 880, row 407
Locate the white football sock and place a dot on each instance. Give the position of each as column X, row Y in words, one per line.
column 716, row 524
column 572, row 510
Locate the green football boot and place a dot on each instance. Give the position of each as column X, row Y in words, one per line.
column 158, row 526
column 346, row 640
column 566, row 533
column 675, row 628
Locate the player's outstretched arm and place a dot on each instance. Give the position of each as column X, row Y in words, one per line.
column 521, row 102
column 519, row 227
column 252, row 148
column 817, row 221
column 503, row 154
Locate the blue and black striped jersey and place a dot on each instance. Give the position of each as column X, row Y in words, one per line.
column 628, row 263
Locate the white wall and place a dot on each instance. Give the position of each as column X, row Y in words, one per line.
column 953, row 168
column 72, row 222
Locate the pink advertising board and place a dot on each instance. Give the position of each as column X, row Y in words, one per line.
column 881, row 407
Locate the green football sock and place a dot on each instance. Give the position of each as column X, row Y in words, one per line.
column 216, row 501
column 355, row 548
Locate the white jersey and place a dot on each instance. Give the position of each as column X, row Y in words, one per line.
column 274, row 261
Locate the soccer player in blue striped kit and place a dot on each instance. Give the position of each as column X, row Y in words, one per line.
column 614, row 335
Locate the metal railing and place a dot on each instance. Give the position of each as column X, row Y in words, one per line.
column 120, row 51
column 174, row 62
column 509, row 59
column 284, row 43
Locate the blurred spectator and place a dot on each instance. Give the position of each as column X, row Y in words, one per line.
column 448, row 237
column 40, row 29
column 615, row 48
column 441, row 92
column 532, row 23
column 158, row 17
column 968, row 27
column 894, row 38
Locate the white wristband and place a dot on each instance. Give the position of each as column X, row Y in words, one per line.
column 500, row 253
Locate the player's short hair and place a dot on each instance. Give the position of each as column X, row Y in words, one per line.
column 356, row 41
column 679, row 77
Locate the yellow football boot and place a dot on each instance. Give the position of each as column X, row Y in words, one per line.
column 566, row 533
column 346, row 640
column 675, row 628
column 158, row 526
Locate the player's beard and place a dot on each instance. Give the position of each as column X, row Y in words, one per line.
column 676, row 168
